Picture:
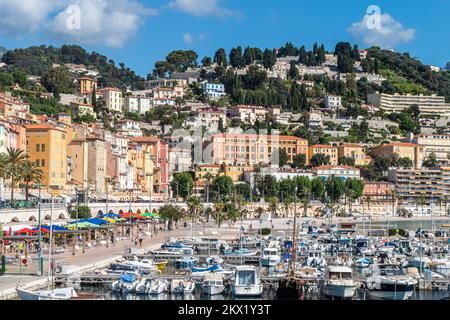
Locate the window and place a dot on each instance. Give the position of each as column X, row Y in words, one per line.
column 43, row 147
column 37, row 147
column 43, row 163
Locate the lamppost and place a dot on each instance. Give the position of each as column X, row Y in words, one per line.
column 40, row 266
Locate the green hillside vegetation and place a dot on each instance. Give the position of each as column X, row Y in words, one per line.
column 38, row 61
column 402, row 85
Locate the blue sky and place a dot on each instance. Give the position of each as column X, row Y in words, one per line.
column 140, row 32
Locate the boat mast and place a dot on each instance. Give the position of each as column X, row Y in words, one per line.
column 50, row 269
column 294, row 240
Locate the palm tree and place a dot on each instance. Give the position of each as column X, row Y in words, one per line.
column 287, row 203
column 195, row 207
column 273, row 205
column 218, row 212
column 3, row 170
column 14, row 157
column 30, row 173
column 394, row 196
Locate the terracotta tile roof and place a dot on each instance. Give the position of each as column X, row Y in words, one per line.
column 399, row 144
column 329, row 167
column 323, row 146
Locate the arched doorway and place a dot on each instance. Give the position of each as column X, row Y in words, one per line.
column 61, row 216
column 111, row 211
column 47, row 217
column 15, row 219
column 32, row 218
column 120, row 211
column 100, row 212
column 138, row 211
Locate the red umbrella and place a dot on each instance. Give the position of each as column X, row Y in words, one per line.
column 24, row 231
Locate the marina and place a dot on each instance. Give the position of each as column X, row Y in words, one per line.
column 323, row 263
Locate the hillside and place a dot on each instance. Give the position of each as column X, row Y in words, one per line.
column 38, row 61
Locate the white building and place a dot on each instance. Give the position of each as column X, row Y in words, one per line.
column 314, row 120
column 398, row 103
column 129, row 128
column 333, row 102
column 249, row 114
column 214, row 91
column 278, row 173
column 113, row 99
column 137, row 104
column 344, row 172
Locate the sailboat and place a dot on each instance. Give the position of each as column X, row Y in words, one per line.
column 50, row 294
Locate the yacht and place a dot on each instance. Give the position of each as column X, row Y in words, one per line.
column 55, row 294
column 389, row 282
column 182, row 286
column 126, row 284
column 270, row 257
column 339, row 283
column 142, row 287
column 213, row 284
column 158, row 286
column 247, row 282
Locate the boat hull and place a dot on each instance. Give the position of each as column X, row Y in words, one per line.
column 339, row 291
column 213, row 290
column 248, row 291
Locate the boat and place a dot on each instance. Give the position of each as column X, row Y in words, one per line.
column 158, row 286
column 181, row 286
column 241, row 252
column 161, row 265
column 186, row 262
column 126, row 284
column 142, row 287
column 145, row 265
column 247, row 282
column 339, row 283
column 270, row 257
column 213, row 284
column 389, row 282
column 363, row 262
column 55, row 294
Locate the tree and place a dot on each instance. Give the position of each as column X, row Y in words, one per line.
column 299, row 161
column 346, row 161
column 171, row 214
column 254, row 78
column 293, row 71
column 335, row 188
column 14, row 157
column 30, row 173
column 320, row 159
column 244, row 190
column 222, row 187
column 58, row 80
column 236, row 59
column 195, row 207
column 318, row 188
column 221, row 126
column 181, row 60
column 220, row 58
column 82, row 212
column 431, row 161
column 206, row 61
column 273, row 205
column 269, row 59
column 279, row 157
column 182, row 184
column 354, row 189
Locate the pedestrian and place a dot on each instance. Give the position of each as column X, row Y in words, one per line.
column 135, row 242
column 140, row 242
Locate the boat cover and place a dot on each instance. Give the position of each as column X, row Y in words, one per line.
column 128, row 277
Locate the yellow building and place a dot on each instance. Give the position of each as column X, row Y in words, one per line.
column 204, row 169
column 47, row 147
column 403, row 150
column 86, row 85
column 250, row 149
column 236, row 173
column 325, row 149
column 354, row 151
column 113, row 99
column 78, row 151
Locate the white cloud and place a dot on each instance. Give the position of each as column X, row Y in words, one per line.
column 109, row 23
column 201, row 7
column 188, row 38
column 19, row 17
column 389, row 33
column 103, row 22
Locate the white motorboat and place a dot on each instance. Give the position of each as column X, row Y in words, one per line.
column 181, row 286
column 144, row 265
column 158, row 286
column 126, row 284
column 142, row 287
column 389, row 282
column 213, row 284
column 247, row 282
column 363, row 262
column 55, row 294
column 339, row 283
column 270, row 257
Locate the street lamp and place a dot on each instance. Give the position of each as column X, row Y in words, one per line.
column 40, row 266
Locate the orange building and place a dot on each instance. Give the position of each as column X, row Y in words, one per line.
column 324, row 149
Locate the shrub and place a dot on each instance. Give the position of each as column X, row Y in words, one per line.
column 84, row 212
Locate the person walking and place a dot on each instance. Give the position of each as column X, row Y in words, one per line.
column 140, row 241
column 135, row 242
